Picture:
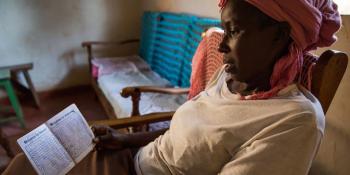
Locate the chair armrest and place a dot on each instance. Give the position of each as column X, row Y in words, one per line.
column 130, row 91
column 135, row 93
column 134, row 120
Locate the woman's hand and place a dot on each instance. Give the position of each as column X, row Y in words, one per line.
column 107, row 138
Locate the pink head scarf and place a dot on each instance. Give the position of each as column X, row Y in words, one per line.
column 313, row 24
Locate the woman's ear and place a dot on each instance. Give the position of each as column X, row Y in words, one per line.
column 283, row 33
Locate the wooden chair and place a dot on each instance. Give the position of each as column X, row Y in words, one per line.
column 327, row 74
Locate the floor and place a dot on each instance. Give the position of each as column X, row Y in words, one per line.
column 51, row 103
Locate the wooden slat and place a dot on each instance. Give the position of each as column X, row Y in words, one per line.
column 157, row 89
column 18, row 67
column 31, row 88
column 89, row 48
column 103, row 99
column 135, row 92
column 134, row 120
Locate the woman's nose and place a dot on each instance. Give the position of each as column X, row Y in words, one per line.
column 223, row 48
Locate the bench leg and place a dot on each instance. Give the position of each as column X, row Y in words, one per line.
column 14, row 102
column 31, row 87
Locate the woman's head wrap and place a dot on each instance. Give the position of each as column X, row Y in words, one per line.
column 313, row 24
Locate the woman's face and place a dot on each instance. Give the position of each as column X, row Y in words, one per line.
column 250, row 48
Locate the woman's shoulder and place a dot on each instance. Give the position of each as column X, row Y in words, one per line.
column 305, row 105
column 315, row 107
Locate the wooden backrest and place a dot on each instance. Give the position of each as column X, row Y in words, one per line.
column 326, row 76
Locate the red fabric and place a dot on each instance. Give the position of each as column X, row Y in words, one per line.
column 306, row 71
column 206, row 61
column 222, row 3
column 313, row 24
column 94, row 71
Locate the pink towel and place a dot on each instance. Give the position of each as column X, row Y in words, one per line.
column 313, row 22
column 206, row 61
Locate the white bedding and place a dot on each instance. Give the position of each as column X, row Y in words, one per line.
column 133, row 71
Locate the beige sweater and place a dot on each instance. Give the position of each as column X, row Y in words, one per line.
column 215, row 133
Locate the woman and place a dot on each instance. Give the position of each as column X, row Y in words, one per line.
column 253, row 117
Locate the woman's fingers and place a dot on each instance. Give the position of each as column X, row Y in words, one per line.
column 105, row 138
column 95, row 140
column 100, row 129
column 102, row 134
column 107, row 142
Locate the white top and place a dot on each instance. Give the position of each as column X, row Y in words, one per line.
column 216, row 133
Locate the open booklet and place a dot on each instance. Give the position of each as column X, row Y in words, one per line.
column 57, row 145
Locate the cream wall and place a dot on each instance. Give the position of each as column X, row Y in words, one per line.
column 49, row 34
column 208, row 8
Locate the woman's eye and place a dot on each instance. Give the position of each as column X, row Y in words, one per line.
column 234, row 31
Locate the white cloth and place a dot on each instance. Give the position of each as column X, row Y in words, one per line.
column 118, row 73
column 216, row 133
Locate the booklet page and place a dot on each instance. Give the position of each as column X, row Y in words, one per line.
column 72, row 130
column 45, row 152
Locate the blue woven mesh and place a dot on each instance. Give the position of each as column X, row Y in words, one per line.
column 169, row 41
column 194, row 36
column 149, row 26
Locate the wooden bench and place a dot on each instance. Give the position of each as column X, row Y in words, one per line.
column 23, row 68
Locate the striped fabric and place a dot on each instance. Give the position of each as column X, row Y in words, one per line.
column 206, row 61
column 168, row 43
column 305, row 76
column 197, row 27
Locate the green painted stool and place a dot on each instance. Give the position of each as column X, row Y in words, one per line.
column 5, row 82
